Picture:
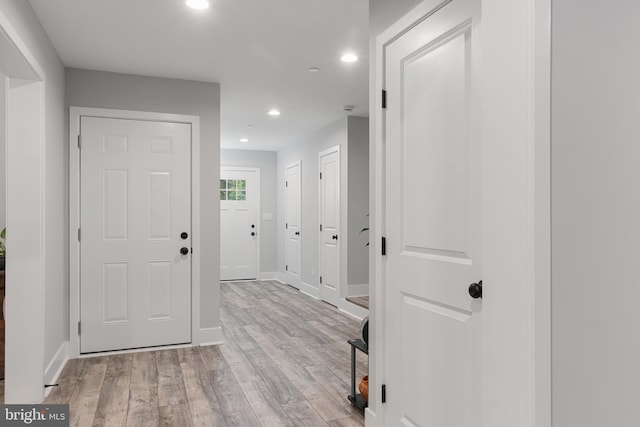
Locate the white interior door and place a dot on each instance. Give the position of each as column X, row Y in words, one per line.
column 330, row 225
column 433, row 209
column 239, row 190
column 293, row 223
column 135, row 207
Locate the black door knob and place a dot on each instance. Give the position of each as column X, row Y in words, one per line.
column 184, row 251
column 253, row 226
column 334, row 237
column 297, row 233
column 475, row 290
column 253, row 234
column 184, row 235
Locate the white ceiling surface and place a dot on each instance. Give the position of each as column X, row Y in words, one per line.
column 258, row 50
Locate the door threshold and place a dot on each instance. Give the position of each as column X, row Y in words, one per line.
column 133, row 350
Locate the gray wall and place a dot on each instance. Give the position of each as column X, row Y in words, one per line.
column 128, row 92
column 307, row 152
column 267, row 162
column 358, row 205
column 595, row 212
column 26, row 24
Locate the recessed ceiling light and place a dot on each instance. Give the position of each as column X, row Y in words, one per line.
column 244, row 140
column 274, row 112
column 349, row 57
column 197, row 4
column 314, row 69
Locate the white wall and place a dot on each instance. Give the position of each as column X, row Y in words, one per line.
column 128, row 92
column 55, row 275
column 3, row 152
column 595, row 211
column 267, row 162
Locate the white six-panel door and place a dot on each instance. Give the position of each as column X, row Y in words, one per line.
column 330, row 225
column 239, row 190
column 293, row 219
column 433, row 221
column 135, row 207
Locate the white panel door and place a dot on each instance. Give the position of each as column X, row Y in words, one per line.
column 293, row 223
column 330, row 225
column 433, row 208
column 135, row 207
column 239, row 189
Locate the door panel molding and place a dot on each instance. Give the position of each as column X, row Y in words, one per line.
column 75, row 115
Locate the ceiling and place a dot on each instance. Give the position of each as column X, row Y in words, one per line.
column 260, row 52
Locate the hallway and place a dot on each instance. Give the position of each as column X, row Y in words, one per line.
column 285, row 362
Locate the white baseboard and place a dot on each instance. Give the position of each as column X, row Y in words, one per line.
column 271, row 275
column 310, row 290
column 209, row 336
column 370, row 418
column 352, row 309
column 56, row 364
column 361, row 290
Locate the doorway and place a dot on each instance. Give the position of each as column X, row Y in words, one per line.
column 239, row 223
column 134, row 226
column 330, row 217
column 293, row 223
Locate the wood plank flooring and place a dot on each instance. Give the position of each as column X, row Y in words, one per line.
column 285, row 362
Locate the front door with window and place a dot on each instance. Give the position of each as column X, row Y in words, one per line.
column 135, row 235
column 239, row 190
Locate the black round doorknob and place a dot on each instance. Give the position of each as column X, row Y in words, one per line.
column 475, row 290
column 334, row 237
column 297, row 233
column 184, row 251
column 253, row 234
column 253, row 226
column 184, row 235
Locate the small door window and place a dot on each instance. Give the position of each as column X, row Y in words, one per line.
column 233, row 189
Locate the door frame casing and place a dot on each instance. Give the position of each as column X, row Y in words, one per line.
column 75, row 115
column 341, row 246
column 528, row 23
column 258, row 208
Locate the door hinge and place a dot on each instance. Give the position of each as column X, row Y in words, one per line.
column 79, row 141
column 78, row 234
column 384, row 246
column 286, row 268
column 286, row 183
column 320, row 227
column 320, row 175
column 78, row 328
column 320, row 279
column 286, row 226
column 384, row 99
column 384, row 393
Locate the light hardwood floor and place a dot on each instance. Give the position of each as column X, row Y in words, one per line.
column 285, row 362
